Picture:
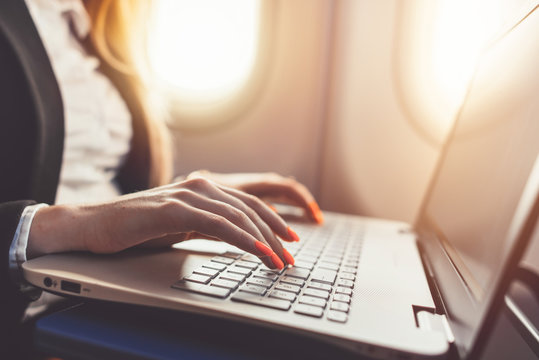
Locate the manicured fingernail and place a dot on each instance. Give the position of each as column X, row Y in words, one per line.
column 315, row 211
column 263, row 248
column 277, row 261
column 288, row 257
column 292, row 234
column 272, row 207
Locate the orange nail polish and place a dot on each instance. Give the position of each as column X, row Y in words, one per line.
column 272, row 208
column 292, row 234
column 315, row 211
column 277, row 261
column 263, row 248
column 288, row 257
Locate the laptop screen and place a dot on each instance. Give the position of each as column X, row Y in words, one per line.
column 471, row 206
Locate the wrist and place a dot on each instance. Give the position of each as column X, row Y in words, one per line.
column 55, row 229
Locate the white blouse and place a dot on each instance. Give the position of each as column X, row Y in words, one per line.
column 97, row 122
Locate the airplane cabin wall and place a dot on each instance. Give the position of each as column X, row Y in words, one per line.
column 327, row 114
column 374, row 163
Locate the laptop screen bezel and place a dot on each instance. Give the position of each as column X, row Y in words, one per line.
column 446, row 271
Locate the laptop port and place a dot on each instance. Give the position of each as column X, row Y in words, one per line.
column 47, row 282
column 70, row 286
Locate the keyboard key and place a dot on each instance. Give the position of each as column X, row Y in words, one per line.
column 292, row 281
column 345, row 283
column 309, row 300
column 304, row 264
column 251, row 258
column 309, row 252
column 324, row 276
column 347, row 276
column 331, row 259
column 253, row 289
column 317, row 293
column 227, row 284
column 287, row 287
column 222, row 260
column 260, row 282
column 214, row 265
column 197, row 278
column 282, row 295
column 239, row 270
column 342, row 298
column 317, row 285
column 348, row 269
column 329, row 266
column 308, row 310
column 343, row 290
column 297, row 272
column 333, row 254
column 307, row 258
column 232, row 255
column 246, row 264
column 262, row 301
column 337, row 316
column 206, row 271
column 340, row 306
column 266, row 275
column 231, row 276
column 201, row 289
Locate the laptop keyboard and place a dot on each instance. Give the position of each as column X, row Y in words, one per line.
column 320, row 284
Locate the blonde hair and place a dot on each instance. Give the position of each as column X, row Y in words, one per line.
column 118, row 37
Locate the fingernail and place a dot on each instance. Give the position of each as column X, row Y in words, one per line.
column 272, row 207
column 263, row 248
column 288, row 257
column 277, row 261
column 292, row 234
column 315, row 211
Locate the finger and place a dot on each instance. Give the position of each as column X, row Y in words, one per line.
column 291, row 190
column 217, row 203
column 247, row 203
column 267, row 213
column 236, row 210
column 223, row 221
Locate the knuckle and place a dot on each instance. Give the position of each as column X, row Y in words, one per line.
column 252, row 200
column 238, row 216
column 170, row 206
column 183, row 194
column 198, row 183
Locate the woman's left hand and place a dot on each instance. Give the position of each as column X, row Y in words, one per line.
column 270, row 187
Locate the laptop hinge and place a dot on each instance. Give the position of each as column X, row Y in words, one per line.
column 435, row 322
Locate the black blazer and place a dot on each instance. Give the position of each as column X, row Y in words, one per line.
column 31, row 144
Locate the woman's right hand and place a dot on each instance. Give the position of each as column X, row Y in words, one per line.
column 165, row 215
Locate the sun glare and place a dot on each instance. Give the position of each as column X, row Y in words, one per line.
column 205, row 49
column 462, row 30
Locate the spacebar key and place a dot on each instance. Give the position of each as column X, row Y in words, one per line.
column 201, row 289
column 262, row 301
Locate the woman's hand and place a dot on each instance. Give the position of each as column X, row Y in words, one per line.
column 167, row 214
column 268, row 186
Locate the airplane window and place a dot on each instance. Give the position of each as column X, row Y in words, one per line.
column 436, row 50
column 203, row 54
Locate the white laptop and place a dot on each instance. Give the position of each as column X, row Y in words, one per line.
column 381, row 288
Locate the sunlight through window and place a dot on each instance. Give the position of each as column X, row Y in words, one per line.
column 204, row 50
column 462, row 30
